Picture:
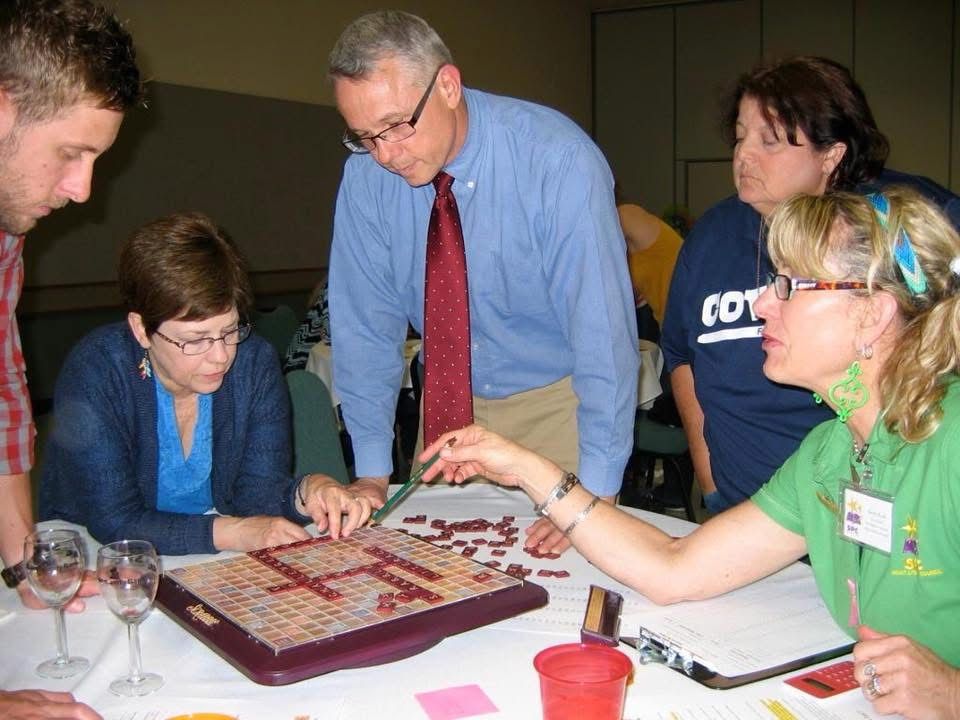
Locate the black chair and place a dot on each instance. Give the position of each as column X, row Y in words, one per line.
column 407, row 422
column 655, row 442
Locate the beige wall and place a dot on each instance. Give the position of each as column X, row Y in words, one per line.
column 240, row 125
column 668, row 64
column 536, row 49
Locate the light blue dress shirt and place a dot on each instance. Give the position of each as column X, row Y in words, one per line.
column 549, row 289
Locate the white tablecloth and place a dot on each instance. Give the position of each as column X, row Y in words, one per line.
column 320, row 362
column 497, row 658
column 651, row 365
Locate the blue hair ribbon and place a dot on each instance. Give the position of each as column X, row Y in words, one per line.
column 903, row 252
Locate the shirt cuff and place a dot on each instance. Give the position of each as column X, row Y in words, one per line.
column 601, row 477
column 373, row 459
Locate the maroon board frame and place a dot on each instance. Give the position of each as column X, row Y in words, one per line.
column 384, row 642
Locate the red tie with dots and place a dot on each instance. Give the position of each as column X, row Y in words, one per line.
column 447, row 390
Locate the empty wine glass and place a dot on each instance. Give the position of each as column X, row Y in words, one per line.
column 127, row 571
column 53, row 560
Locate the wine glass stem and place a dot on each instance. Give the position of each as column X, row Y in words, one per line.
column 136, row 671
column 63, row 655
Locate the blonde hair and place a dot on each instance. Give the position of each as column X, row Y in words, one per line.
column 839, row 236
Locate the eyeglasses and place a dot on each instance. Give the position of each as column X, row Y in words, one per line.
column 395, row 133
column 785, row 286
column 202, row 345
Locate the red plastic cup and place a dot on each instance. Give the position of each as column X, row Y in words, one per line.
column 582, row 682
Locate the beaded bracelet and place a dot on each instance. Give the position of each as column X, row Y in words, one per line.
column 567, row 483
column 581, row 515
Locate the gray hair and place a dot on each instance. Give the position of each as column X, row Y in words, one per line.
column 386, row 34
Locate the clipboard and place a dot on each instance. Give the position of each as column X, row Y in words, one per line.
column 601, row 624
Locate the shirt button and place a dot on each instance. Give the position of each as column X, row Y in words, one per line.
column 470, row 184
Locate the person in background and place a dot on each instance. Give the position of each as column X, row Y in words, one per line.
column 541, row 338
column 314, row 328
column 652, row 249
column 68, row 73
column 863, row 311
column 174, row 426
column 799, row 125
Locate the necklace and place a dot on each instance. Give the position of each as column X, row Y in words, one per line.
column 859, row 453
column 860, row 458
column 759, row 245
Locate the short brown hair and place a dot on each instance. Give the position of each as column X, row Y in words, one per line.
column 54, row 53
column 182, row 267
column 820, row 97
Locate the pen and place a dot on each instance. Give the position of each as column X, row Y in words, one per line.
column 414, row 477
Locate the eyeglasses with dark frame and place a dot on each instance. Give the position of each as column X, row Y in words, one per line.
column 362, row 144
column 784, row 286
column 204, row 344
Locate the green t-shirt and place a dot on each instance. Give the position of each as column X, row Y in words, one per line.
column 914, row 591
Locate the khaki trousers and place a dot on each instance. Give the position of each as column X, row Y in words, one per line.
column 543, row 419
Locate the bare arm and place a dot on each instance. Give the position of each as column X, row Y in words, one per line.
column 640, row 228
column 16, row 522
column 737, row 547
column 681, row 380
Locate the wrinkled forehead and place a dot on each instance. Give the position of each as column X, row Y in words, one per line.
column 383, row 95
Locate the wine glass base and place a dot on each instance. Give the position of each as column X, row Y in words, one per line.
column 148, row 683
column 63, row 668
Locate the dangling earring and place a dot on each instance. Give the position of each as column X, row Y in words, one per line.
column 848, row 393
column 144, row 367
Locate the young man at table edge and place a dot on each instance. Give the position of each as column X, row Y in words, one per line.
column 552, row 340
column 67, row 75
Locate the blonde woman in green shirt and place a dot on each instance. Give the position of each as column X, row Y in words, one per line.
column 879, row 343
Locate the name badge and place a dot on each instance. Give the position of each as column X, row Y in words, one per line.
column 867, row 518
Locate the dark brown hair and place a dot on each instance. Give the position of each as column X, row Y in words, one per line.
column 54, row 53
column 182, row 267
column 820, row 97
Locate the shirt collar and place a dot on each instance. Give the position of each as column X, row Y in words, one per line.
column 465, row 166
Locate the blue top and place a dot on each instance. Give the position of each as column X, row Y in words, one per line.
column 183, row 483
column 751, row 424
column 100, row 468
column 549, row 291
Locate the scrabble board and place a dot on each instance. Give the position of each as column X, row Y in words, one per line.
column 294, row 611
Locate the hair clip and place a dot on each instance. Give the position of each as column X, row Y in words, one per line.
column 903, row 253
column 955, row 265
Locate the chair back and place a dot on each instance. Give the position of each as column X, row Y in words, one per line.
column 316, row 435
column 277, row 325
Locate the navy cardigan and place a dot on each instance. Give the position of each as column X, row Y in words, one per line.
column 100, row 465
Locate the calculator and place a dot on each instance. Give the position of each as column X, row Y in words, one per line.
column 827, row 681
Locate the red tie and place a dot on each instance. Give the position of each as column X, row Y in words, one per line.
column 447, row 390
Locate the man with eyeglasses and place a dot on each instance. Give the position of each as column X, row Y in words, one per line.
column 67, row 75
column 552, row 343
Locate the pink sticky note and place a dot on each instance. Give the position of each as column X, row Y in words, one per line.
column 455, row 702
